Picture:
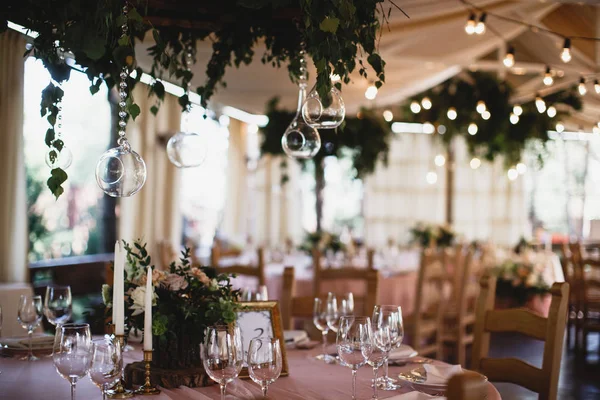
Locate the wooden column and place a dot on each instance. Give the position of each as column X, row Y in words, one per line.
column 450, row 166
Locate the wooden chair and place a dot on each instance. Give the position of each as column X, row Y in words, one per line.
column 166, row 254
column 551, row 330
column 217, row 251
column 589, row 299
column 257, row 271
column 569, row 267
column 466, row 387
column 423, row 324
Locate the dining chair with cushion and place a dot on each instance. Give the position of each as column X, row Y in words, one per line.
column 551, row 330
column 467, row 387
column 257, row 271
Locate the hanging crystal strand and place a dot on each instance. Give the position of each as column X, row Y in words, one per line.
column 187, row 149
column 121, row 172
column 56, row 158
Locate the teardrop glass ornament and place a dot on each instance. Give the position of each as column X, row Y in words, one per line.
column 59, row 159
column 186, row 149
column 121, row 172
column 324, row 115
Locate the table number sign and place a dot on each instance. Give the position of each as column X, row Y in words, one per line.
column 261, row 318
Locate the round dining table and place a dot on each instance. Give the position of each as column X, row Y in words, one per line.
column 308, row 379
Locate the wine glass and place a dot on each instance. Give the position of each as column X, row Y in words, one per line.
column 334, row 312
column 320, row 321
column 0, row 321
column 261, row 294
column 354, row 344
column 58, row 304
column 223, row 354
column 29, row 316
column 382, row 345
column 72, row 352
column 106, row 364
column 264, row 361
column 390, row 316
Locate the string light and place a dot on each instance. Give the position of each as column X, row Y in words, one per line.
column 512, row 174
column 565, row 55
column 598, row 124
column 486, row 115
column 480, row 27
column 551, row 112
column 517, row 110
column 597, row 86
column 548, row 80
column 388, row 115
column 509, row 58
column 514, row 118
column 475, row 163
column 441, row 129
column 481, row 106
column 426, row 103
column 371, row 92
column 452, row 114
column 472, row 129
column 540, row 104
column 596, row 130
column 415, row 107
column 428, row 128
column 521, row 168
column 470, row 26
column 560, row 127
column 582, row 89
column 431, row 177
column 440, row 160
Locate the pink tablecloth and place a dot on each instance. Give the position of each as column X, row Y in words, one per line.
column 308, row 380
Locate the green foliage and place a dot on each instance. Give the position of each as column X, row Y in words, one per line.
column 519, row 279
column 431, row 234
column 496, row 136
column 321, row 241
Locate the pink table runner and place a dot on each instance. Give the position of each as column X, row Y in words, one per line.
column 308, row 380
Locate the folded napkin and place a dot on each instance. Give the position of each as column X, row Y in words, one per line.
column 439, row 374
column 294, row 336
column 22, row 342
column 401, row 353
column 414, row 395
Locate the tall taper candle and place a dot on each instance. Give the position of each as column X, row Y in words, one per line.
column 148, row 312
column 119, row 291
column 114, row 292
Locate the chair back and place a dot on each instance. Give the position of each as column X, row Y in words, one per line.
column 551, row 330
column 166, row 254
column 257, row 271
column 590, row 281
column 466, row 386
column 217, row 251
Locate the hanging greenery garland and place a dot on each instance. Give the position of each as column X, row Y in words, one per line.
column 455, row 104
column 87, row 35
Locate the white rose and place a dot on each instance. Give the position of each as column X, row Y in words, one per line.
column 139, row 300
column 214, row 284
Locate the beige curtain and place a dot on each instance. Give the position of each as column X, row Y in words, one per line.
column 153, row 214
column 13, row 200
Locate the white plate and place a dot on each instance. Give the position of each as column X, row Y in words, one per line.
column 404, row 352
column 418, row 379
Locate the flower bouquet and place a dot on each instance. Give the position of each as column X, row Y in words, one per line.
column 186, row 300
column 322, row 241
column 518, row 278
column 428, row 234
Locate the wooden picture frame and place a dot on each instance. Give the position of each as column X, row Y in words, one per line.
column 261, row 318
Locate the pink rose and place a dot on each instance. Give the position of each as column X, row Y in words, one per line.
column 175, row 282
column 200, row 275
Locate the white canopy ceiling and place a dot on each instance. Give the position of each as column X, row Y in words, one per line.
column 432, row 46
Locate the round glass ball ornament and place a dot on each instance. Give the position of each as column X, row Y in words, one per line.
column 121, row 172
column 59, row 159
column 324, row 115
column 300, row 140
column 186, row 149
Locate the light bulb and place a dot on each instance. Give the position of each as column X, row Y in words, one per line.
column 59, row 159
column 597, row 86
column 415, row 107
column 470, row 26
column 560, row 127
column 517, row 110
column 475, row 163
column 565, row 55
column 582, row 89
column 509, row 58
column 540, row 104
column 521, row 168
column 388, row 115
column 321, row 114
column 452, row 114
column 486, row 115
column 480, row 27
column 431, row 177
column 548, row 80
column 551, row 112
column 514, row 118
column 426, row 103
column 472, row 129
column 371, row 92
column 596, row 130
column 512, row 174
column 439, row 160
column 441, row 129
column 428, row 128
column 480, row 106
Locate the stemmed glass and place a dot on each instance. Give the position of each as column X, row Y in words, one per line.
column 261, row 294
column 58, row 304
column 354, row 344
column 72, row 352
column 334, row 312
column 264, row 361
column 106, row 364
column 29, row 316
column 223, row 354
column 382, row 345
column 390, row 316
column 320, row 320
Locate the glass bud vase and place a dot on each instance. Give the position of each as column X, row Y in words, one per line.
column 324, row 114
column 121, row 172
column 300, row 140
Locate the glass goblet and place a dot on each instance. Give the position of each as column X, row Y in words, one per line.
column 106, row 363
column 29, row 316
column 58, row 304
column 72, row 352
column 320, row 321
column 264, row 361
column 382, row 345
column 354, row 344
column 222, row 354
column 390, row 316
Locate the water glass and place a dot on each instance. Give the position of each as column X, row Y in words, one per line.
column 29, row 316
column 390, row 316
column 264, row 361
column 320, row 321
column 354, row 344
column 223, row 354
column 106, row 364
column 58, row 304
column 382, row 345
column 73, row 352
column 261, row 294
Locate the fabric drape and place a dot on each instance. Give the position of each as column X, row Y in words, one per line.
column 13, row 207
column 153, row 214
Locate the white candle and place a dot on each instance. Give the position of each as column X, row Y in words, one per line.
column 148, row 313
column 114, row 292
column 119, row 291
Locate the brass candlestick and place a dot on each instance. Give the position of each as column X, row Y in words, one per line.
column 147, row 387
column 119, row 391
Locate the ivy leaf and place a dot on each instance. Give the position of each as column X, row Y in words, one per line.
column 134, row 15
column 95, row 87
column 58, row 144
column 123, row 41
column 57, row 178
column 376, row 62
column 93, row 46
column 159, row 90
column 133, row 110
column 154, row 110
column 121, row 20
column 49, row 137
column 329, row 25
